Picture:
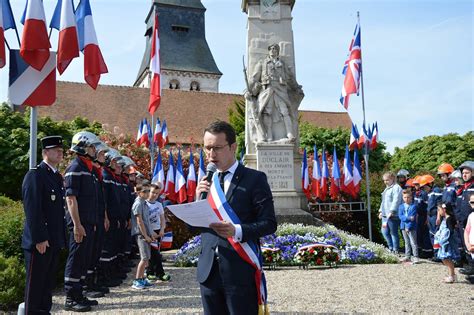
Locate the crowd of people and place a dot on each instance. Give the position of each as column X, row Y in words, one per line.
column 435, row 222
column 110, row 206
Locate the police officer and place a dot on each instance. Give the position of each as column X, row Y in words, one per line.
column 44, row 232
column 82, row 203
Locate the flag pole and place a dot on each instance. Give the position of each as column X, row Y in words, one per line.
column 366, row 145
column 33, row 136
column 152, row 143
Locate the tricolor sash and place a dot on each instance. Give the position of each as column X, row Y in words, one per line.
column 248, row 251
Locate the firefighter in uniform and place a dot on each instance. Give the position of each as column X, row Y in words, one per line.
column 467, row 171
column 434, row 198
column 44, row 232
column 82, row 203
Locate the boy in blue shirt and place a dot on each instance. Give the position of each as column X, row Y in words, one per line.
column 407, row 214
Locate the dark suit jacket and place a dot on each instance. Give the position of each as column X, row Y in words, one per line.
column 250, row 197
column 44, row 206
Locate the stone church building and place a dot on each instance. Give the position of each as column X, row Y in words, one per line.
column 190, row 81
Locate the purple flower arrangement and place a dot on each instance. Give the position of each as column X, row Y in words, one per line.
column 289, row 244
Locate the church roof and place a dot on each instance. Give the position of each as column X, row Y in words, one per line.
column 187, row 113
column 180, row 50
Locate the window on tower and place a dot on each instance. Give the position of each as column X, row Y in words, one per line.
column 180, row 28
column 174, row 84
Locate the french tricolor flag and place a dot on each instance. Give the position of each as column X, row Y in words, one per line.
column 316, row 181
column 158, row 172
column 164, row 133
column 375, row 134
column 324, row 177
column 65, row 22
column 191, row 180
column 202, row 168
column 336, row 177
column 157, row 137
column 305, row 177
column 356, row 174
column 170, row 176
column 353, row 144
column 180, row 181
column 144, row 139
column 139, row 132
column 155, row 87
column 6, row 22
column 35, row 43
column 347, row 182
column 167, row 240
column 94, row 64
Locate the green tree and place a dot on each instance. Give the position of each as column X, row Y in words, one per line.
column 237, row 120
column 14, row 144
column 428, row 153
column 339, row 137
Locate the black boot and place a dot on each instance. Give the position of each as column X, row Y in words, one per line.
column 468, row 271
column 75, row 306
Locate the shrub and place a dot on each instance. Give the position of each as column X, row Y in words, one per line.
column 11, row 228
column 12, row 282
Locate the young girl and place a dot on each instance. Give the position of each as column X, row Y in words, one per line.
column 446, row 241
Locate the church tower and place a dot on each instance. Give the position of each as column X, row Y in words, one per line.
column 186, row 60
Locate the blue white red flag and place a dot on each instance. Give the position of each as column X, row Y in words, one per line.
column 167, row 240
column 305, row 176
column 202, row 168
column 155, row 86
column 158, row 172
column 35, row 43
column 335, row 177
column 170, row 179
column 7, row 21
column 180, row 181
column 157, row 137
column 94, row 64
column 353, row 142
column 374, row 139
column 64, row 21
column 28, row 86
column 191, row 180
column 145, row 134
column 164, row 133
column 316, row 181
column 324, row 177
column 364, row 137
column 357, row 174
column 139, row 132
column 352, row 69
column 347, row 182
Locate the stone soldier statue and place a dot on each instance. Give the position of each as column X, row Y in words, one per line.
column 277, row 92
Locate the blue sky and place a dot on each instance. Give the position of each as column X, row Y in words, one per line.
column 417, row 57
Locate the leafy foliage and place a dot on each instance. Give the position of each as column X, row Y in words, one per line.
column 428, row 153
column 237, row 120
column 11, row 227
column 12, row 282
column 14, row 144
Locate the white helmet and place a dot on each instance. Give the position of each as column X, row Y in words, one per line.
column 99, row 147
column 111, row 155
column 128, row 161
column 82, row 140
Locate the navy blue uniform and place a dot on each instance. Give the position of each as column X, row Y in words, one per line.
column 81, row 184
column 434, row 197
column 422, row 230
column 449, row 193
column 43, row 203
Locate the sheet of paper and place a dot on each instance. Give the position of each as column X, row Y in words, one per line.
column 197, row 214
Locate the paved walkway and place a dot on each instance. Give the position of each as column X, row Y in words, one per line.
column 346, row 289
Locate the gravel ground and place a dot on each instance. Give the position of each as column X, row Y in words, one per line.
column 390, row 289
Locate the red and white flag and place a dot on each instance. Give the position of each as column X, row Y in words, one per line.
column 191, row 180
column 94, row 64
column 35, row 43
column 68, row 44
column 155, row 87
column 180, row 181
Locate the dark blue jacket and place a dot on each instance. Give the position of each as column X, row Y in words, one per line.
column 81, row 184
column 449, row 194
column 464, row 207
column 111, row 194
column 44, row 206
column 97, row 172
column 125, row 206
column 407, row 217
column 420, row 199
column 434, row 197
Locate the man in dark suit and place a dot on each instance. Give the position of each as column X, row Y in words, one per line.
column 44, row 232
column 227, row 282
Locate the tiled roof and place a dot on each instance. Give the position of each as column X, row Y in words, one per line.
column 187, row 113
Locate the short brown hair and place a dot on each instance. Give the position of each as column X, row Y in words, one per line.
column 142, row 187
column 406, row 191
column 220, row 126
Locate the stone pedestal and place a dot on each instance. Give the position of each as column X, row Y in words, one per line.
column 282, row 168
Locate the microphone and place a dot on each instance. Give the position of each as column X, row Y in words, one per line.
column 210, row 170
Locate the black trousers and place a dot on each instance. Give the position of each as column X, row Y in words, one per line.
column 40, row 279
column 78, row 261
column 219, row 298
column 155, row 266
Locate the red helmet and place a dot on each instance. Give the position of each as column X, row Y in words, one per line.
column 426, row 179
column 410, row 183
column 445, row 168
column 416, row 180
